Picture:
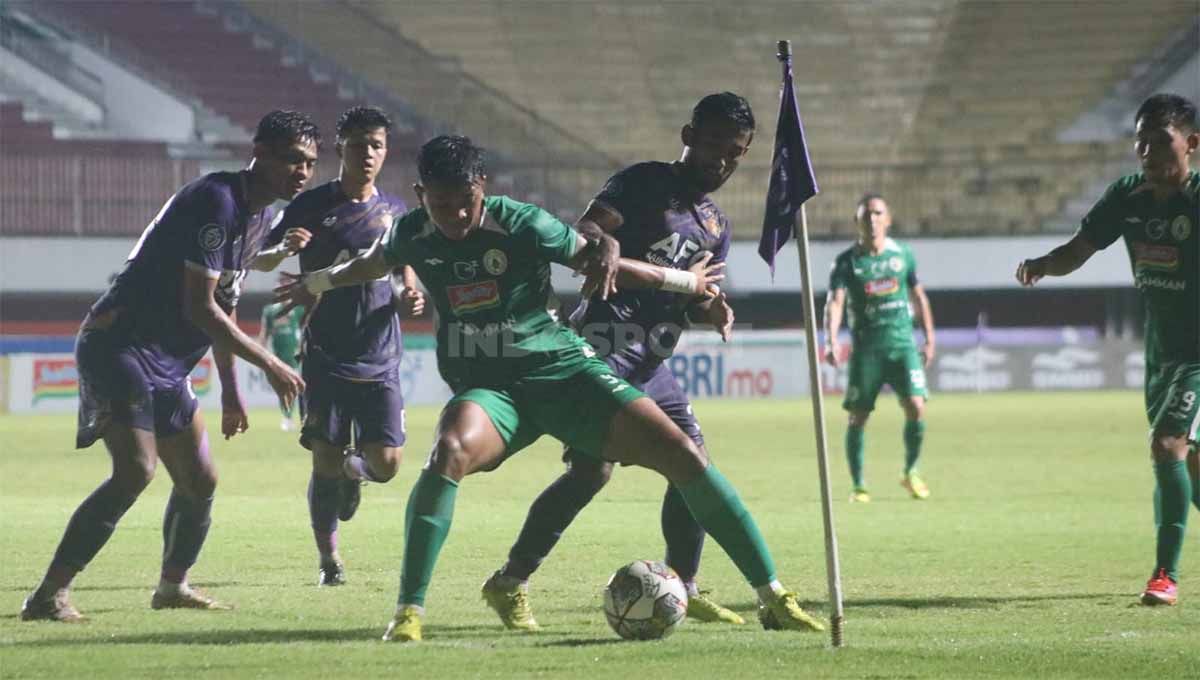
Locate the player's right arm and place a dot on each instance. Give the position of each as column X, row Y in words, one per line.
column 201, row 308
column 835, row 307
column 1058, row 262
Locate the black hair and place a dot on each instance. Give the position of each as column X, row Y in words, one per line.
column 450, row 159
column 362, row 118
column 724, row 106
column 284, row 128
column 867, row 198
column 1168, row 109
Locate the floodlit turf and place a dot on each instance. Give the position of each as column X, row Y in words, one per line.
column 1025, row 562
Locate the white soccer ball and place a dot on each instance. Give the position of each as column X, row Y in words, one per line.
column 645, row 600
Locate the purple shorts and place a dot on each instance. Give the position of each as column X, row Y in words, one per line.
column 114, row 387
column 375, row 409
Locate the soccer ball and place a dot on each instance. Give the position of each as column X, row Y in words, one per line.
column 645, row 600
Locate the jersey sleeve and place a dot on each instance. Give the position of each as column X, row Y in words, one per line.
column 911, row 262
column 211, row 224
column 624, row 193
column 721, row 251
column 395, row 239
column 551, row 239
column 839, row 274
column 1102, row 226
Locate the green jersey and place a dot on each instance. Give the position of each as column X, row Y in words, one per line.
column 492, row 292
column 283, row 331
column 877, row 289
column 1164, row 251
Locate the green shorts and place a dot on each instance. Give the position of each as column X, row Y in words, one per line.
column 1173, row 398
column 872, row 367
column 576, row 409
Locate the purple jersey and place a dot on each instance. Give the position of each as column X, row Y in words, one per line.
column 205, row 226
column 666, row 223
column 352, row 332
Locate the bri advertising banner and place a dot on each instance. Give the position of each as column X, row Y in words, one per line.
column 755, row 365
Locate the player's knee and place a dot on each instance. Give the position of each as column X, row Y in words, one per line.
column 386, row 463
column 588, row 475
column 1165, row 448
column 859, row 418
column 450, row 457
column 134, row 478
column 686, row 459
column 914, row 409
column 202, row 485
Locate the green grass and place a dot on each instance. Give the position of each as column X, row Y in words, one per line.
column 1024, row 563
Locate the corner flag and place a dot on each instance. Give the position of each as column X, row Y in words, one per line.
column 792, row 179
column 793, row 183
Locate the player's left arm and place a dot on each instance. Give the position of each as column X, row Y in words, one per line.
column 921, row 302
column 234, row 419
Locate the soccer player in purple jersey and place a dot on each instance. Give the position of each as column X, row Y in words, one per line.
column 174, row 300
column 352, row 341
column 660, row 213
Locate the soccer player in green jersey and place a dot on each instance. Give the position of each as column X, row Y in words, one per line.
column 280, row 333
column 878, row 276
column 485, row 261
column 1156, row 211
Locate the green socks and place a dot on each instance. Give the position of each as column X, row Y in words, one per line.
column 1172, row 496
column 854, row 455
column 426, row 524
column 716, row 506
column 914, row 434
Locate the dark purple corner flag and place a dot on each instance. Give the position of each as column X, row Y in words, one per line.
column 792, row 179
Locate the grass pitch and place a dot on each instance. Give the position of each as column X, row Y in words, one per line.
column 1025, row 563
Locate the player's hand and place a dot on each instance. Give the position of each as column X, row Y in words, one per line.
column 720, row 315
column 600, row 270
column 707, row 276
column 832, row 352
column 1030, row 272
column 286, row 382
column 928, row 352
column 292, row 293
column 295, row 239
column 412, row 301
column 234, row 420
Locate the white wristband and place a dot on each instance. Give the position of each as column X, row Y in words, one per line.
column 677, row 281
column 318, row 282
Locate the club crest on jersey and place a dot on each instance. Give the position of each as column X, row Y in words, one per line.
column 211, row 238
column 466, row 271
column 495, row 262
column 1161, row 258
column 1181, row 228
column 882, row 286
column 896, row 264
column 329, row 221
column 1156, row 229
column 472, row 297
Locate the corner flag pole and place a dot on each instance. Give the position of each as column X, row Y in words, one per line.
column 832, row 567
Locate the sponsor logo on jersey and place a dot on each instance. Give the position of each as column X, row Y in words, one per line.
column 329, row 221
column 495, row 262
column 466, row 271
column 1161, row 282
column 882, row 286
column 1133, row 220
column 1156, row 229
column 433, row 261
column 211, row 237
column 1181, row 228
column 1162, row 258
column 472, row 297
